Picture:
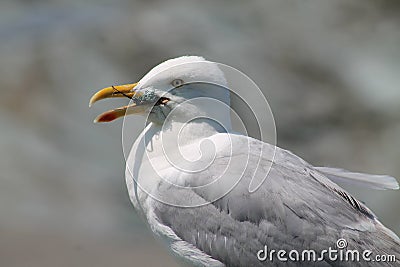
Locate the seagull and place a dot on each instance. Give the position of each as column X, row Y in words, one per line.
column 188, row 175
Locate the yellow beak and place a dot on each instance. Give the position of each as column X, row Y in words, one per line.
column 126, row 90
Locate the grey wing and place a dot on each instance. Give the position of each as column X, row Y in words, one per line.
column 296, row 207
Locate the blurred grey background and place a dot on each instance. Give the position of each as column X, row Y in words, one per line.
column 330, row 70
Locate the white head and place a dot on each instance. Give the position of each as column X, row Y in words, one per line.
column 183, row 87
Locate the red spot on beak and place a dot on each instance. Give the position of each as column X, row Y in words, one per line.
column 107, row 117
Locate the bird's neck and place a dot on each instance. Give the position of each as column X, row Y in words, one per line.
column 174, row 133
column 192, row 121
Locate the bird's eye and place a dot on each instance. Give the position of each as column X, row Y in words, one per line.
column 177, row 82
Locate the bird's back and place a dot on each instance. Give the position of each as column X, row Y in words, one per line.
column 295, row 208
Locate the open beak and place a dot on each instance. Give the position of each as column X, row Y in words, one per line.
column 138, row 106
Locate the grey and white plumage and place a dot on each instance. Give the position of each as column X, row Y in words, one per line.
column 297, row 207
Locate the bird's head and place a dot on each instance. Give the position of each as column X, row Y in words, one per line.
column 184, row 85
